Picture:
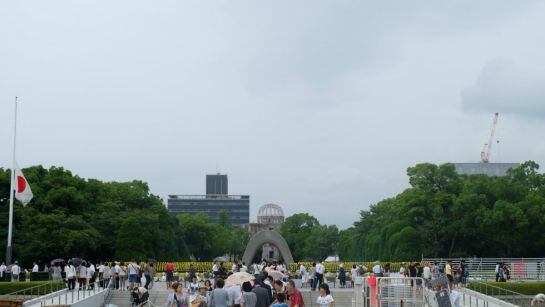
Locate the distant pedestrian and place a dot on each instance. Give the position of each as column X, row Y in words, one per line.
column 15, row 271
column 170, row 274
column 70, row 272
column 122, row 276
column 57, row 272
column 342, row 276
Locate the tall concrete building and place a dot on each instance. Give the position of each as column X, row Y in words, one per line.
column 213, row 202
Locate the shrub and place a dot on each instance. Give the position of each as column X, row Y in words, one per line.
column 523, row 287
column 10, row 287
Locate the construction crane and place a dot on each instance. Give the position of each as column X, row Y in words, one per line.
column 485, row 153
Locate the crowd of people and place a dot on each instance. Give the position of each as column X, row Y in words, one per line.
column 261, row 290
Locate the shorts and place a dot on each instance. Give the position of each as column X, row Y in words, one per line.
column 133, row 278
column 418, row 282
column 450, row 279
column 170, row 276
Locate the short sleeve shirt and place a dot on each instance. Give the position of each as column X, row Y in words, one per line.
column 325, row 301
column 296, row 299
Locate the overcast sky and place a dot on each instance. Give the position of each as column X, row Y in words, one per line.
column 319, row 106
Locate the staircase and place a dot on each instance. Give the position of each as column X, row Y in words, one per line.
column 123, row 298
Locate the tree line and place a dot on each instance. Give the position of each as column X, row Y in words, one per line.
column 441, row 214
column 445, row 214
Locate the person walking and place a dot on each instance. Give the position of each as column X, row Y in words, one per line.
column 325, row 299
column 353, row 275
column 133, row 273
column 57, row 272
column 219, row 297
column 448, row 272
column 304, row 274
column 342, row 276
column 296, row 299
column 122, row 276
column 262, row 294
column 15, row 271
column 320, row 270
column 248, row 298
column 117, row 269
column 377, row 269
column 70, row 272
column 100, row 269
column 149, row 273
column 106, row 275
column 170, row 274
column 82, row 275
column 313, row 277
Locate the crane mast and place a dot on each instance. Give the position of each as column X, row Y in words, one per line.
column 485, row 153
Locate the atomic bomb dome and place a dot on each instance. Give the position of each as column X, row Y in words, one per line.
column 270, row 214
column 269, row 217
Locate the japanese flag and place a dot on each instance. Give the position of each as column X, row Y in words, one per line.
column 22, row 188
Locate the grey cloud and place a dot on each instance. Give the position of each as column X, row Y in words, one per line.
column 505, row 87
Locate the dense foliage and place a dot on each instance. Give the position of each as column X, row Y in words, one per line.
column 444, row 214
column 74, row 217
column 206, row 240
column 307, row 238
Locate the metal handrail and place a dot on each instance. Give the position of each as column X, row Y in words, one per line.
column 494, row 290
column 69, row 295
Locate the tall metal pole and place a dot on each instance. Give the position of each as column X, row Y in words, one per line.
column 12, row 189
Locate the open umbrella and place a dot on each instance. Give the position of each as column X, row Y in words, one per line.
column 276, row 275
column 238, row 278
column 221, row 259
column 76, row 261
column 55, row 261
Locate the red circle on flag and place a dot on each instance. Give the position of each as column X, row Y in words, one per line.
column 21, row 184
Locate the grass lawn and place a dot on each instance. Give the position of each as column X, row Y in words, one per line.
column 526, row 287
column 9, row 287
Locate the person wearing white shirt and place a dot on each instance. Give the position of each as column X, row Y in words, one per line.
column 234, row 293
column 35, row 268
column 377, row 269
column 319, row 274
column 3, row 269
column 304, row 274
column 70, row 271
column 234, row 268
column 90, row 272
column 426, row 274
column 100, row 269
column 15, row 271
column 133, row 273
column 116, row 269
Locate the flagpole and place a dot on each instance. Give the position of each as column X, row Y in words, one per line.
column 12, row 189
